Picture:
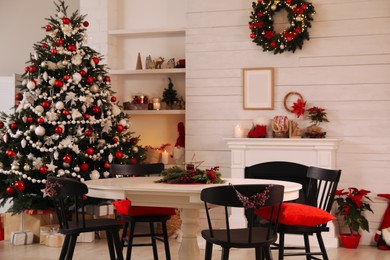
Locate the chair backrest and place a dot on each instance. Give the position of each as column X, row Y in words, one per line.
column 324, row 182
column 68, row 193
column 136, row 170
column 229, row 196
column 281, row 170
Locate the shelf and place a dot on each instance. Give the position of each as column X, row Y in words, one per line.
column 147, row 72
column 147, row 32
column 155, row 112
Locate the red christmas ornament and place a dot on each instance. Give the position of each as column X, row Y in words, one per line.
column 10, row 191
column 46, row 104
column 272, row 44
column 133, row 160
column 59, row 83
column 253, row 35
column 32, row 68
column 18, row 96
column 48, row 27
column 88, row 132
column 119, row 128
column 96, row 110
column 14, row 126
column 89, row 80
column 251, row 26
column 113, row 99
column 84, row 167
column 96, row 60
column 134, row 141
column 40, row 120
column 67, row 158
column 17, row 103
column 90, row 151
column 53, row 51
column 107, row 79
column 83, row 73
column 19, row 185
column 86, row 23
column 59, row 42
column 30, row 119
column 298, row 30
column 26, row 69
column 72, row 47
column 87, row 116
column 119, row 155
column 106, row 165
column 58, row 130
column 66, row 20
column 1, row 125
column 43, row 169
column 115, row 139
column 44, row 44
column 66, row 77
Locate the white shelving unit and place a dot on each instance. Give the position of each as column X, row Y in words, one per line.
column 150, row 71
column 155, row 112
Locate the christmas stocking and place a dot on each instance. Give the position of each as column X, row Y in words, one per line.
column 382, row 236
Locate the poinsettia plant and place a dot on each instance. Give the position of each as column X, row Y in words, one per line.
column 350, row 206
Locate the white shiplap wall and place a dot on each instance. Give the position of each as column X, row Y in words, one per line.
column 344, row 68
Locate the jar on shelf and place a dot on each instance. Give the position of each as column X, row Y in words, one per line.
column 156, row 103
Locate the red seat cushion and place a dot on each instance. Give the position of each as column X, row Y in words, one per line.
column 298, row 214
column 123, row 207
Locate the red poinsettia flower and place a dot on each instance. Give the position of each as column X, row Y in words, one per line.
column 299, row 107
column 269, row 34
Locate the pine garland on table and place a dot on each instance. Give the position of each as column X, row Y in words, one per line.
column 180, row 176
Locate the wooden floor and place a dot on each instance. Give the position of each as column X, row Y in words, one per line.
column 98, row 251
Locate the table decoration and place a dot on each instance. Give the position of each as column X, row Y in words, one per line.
column 178, row 175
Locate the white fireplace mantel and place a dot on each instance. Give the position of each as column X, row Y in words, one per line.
column 310, row 152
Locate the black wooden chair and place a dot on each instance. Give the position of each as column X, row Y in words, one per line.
column 139, row 214
column 227, row 196
column 318, row 191
column 72, row 222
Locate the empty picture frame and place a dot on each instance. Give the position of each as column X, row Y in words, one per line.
column 258, row 88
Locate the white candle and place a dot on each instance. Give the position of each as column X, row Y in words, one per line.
column 156, row 106
column 238, row 132
column 164, row 157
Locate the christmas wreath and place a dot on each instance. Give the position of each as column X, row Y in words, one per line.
column 180, row 176
column 300, row 14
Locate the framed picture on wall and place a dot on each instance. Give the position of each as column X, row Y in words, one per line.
column 258, row 88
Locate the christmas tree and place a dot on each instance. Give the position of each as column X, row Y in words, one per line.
column 170, row 94
column 67, row 121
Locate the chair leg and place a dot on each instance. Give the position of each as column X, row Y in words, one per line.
column 267, row 253
column 166, row 240
column 71, row 246
column 130, row 240
column 281, row 246
column 225, row 253
column 208, row 251
column 322, row 246
column 152, row 236
column 64, row 248
column 307, row 246
column 110, row 244
column 259, row 253
column 117, row 244
column 124, row 233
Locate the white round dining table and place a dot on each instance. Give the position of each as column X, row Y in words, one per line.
column 144, row 191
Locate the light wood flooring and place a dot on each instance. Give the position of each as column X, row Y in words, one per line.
column 98, row 250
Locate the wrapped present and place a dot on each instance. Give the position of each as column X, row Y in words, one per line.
column 49, row 236
column 31, row 222
column 22, row 238
column 86, row 237
column 100, row 210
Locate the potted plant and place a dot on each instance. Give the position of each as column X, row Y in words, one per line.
column 350, row 207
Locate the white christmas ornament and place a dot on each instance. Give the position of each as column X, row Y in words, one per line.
column 23, row 143
column 59, row 105
column 94, row 175
column 40, row 131
column 31, row 85
column 39, row 109
column 123, row 122
column 106, row 174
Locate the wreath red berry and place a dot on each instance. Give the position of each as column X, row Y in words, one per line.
column 300, row 15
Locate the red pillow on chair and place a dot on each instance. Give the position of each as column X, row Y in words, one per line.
column 298, row 214
column 124, row 207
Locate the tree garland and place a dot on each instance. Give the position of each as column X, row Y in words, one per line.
column 299, row 15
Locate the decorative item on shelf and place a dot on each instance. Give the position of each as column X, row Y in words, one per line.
column 178, row 150
column 350, row 207
column 300, row 14
column 181, row 64
column 154, row 154
column 259, row 129
column 139, row 63
column 164, row 157
column 139, row 102
column 150, row 104
column 280, row 127
column 182, row 103
column 238, row 131
column 169, row 95
column 178, row 175
column 156, row 103
column 126, row 105
column 382, row 236
column 149, row 63
column 171, row 63
column 293, row 129
column 298, row 107
column 159, row 62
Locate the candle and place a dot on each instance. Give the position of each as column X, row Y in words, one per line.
column 156, row 106
column 164, row 157
column 238, row 132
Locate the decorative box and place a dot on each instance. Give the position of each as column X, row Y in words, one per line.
column 22, row 238
column 86, row 237
column 49, row 236
column 100, row 210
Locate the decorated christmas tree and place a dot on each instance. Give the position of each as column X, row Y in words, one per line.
column 67, row 121
column 170, row 94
